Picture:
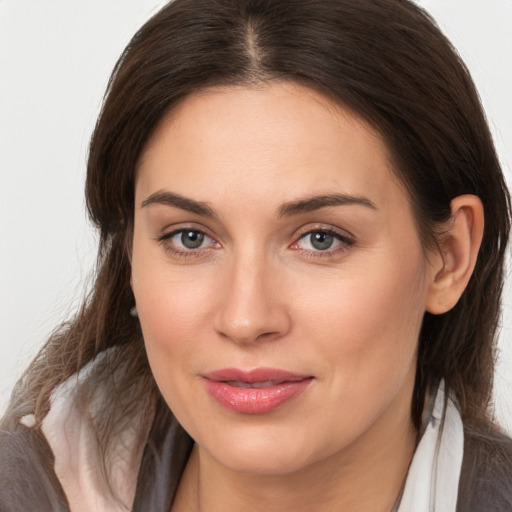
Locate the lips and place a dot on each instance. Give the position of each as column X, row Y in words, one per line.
column 257, row 391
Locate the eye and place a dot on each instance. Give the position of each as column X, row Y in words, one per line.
column 322, row 240
column 187, row 240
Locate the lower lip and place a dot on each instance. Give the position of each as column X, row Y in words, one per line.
column 255, row 400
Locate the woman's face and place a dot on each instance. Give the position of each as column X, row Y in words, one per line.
column 279, row 279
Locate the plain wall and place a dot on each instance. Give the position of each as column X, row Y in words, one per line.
column 55, row 59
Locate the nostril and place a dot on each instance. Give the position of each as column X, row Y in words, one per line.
column 266, row 335
column 249, row 335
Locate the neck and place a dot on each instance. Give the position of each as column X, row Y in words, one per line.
column 368, row 475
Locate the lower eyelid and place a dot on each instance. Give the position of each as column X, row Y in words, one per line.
column 328, row 254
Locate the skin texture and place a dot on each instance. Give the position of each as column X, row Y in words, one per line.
column 256, row 293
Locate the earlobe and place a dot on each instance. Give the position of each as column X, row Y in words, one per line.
column 453, row 265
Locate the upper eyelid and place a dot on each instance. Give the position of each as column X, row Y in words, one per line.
column 166, row 239
column 342, row 239
column 169, row 231
column 342, row 233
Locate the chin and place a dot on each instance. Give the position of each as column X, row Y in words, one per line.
column 261, row 451
column 262, row 462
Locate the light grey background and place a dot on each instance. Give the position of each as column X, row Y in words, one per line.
column 55, row 59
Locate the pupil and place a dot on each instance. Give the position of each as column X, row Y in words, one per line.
column 321, row 241
column 192, row 239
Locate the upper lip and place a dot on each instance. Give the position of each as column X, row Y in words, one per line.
column 255, row 375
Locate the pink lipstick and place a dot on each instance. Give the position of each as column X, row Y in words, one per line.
column 257, row 391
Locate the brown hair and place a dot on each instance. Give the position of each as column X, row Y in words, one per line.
column 384, row 59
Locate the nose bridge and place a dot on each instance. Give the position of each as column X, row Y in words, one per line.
column 251, row 306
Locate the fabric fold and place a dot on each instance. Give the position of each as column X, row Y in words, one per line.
column 432, row 482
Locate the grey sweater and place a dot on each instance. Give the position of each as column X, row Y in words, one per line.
column 28, row 482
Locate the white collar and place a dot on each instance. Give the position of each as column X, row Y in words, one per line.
column 432, row 482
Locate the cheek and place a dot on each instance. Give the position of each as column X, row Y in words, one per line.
column 171, row 303
column 366, row 303
column 171, row 311
column 367, row 332
column 393, row 305
column 367, row 326
column 172, row 318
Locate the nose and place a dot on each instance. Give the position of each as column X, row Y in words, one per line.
column 252, row 306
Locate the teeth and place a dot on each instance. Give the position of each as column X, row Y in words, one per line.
column 238, row 384
column 264, row 384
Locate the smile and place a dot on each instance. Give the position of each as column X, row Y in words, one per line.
column 256, row 392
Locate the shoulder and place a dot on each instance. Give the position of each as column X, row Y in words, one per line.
column 28, row 456
column 27, row 478
column 486, row 475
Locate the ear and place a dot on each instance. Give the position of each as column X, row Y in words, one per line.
column 453, row 264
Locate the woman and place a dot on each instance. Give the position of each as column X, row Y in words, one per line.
column 303, row 224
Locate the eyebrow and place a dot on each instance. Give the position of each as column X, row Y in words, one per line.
column 184, row 203
column 316, row 202
column 286, row 210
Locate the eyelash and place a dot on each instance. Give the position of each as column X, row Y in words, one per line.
column 345, row 242
column 169, row 247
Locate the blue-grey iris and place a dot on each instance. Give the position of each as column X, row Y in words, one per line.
column 192, row 239
column 321, row 240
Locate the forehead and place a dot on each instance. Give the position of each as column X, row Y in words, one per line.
column 270, row 142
